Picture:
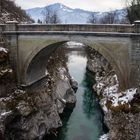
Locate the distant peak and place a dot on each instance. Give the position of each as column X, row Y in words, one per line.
column 58, row 5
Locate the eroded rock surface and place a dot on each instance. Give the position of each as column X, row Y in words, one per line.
column 121, row 108
column 30, row 113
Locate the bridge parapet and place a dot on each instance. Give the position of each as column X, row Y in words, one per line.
column 27, row 41
column 11, row 26
column 122, row 28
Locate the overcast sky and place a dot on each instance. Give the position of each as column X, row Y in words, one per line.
column 93, row 5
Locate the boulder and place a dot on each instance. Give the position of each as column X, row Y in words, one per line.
column 74, row 84
column 70, row 98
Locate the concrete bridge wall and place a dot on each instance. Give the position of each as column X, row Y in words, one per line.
column 27, row 41
column 82, row 27
column 114, row 49
column 122, row 28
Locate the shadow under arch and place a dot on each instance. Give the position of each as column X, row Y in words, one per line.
column 110, row 57
column 117, row 56
column 34, row 69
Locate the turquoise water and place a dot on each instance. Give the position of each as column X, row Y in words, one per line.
column 85, row 121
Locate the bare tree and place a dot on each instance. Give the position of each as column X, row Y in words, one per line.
column 92, row 18
column 133, row 10
column 50, row 16
column 39, row 21
column 109, row 18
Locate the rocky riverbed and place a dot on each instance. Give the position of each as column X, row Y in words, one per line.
column 121, row 108
column 32, row 112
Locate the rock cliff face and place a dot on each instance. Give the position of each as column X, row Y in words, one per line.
column 10, row 11
column 31, row 113
column 121, row 108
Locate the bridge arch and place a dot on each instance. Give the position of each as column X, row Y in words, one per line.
column 30, row 74
column 25, row 41
column 34, row 71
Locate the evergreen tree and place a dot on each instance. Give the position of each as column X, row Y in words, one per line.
column 133, row 11
column 39, row 21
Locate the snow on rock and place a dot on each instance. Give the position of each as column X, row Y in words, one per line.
column 5, row 71
column 104, row 137
column 67, row 10
column 62, row 72
column 46, row 72
column 111, row 93
column 5, row 114
column 127, row 97
column 110, row 90
column 121, row 97
column 3, row 54
column 100, row 86
column 3, row 50
column 103, row 104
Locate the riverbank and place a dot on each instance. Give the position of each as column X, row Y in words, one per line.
column 85, row 121
column 121, row 108
column 34, row 112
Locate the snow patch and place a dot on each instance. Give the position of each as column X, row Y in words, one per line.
column 5, row 113
column 121, row 97
column 104, row 137
column 46, row 72
column 67, row 10
column 62, row 72
column 3, row 50
column 100, row 85
column 103, row 104
column 127, row 97
column 2, row 72
column 111, row 93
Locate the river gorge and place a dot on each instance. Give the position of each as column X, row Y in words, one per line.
column 80, row 99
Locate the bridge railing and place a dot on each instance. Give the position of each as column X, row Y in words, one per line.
column 119, row 28
column 74, row 27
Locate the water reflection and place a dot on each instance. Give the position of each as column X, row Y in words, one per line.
column 89, row 99
column 63, row 130
column 85, row 122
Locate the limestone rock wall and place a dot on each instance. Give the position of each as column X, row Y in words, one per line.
column 121, row 108
column 30, row 113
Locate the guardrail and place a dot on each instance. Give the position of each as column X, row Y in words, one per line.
column 120, row 28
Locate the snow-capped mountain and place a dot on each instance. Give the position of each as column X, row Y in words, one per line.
column 66, row 14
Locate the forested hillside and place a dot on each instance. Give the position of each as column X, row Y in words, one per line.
column 10, row 11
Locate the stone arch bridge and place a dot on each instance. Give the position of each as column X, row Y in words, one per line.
column 119, row 44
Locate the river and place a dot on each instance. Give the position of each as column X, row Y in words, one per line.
column 85, row 121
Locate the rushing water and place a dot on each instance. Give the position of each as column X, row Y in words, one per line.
column 85, row 121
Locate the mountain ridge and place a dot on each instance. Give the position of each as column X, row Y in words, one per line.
column 69, row 15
